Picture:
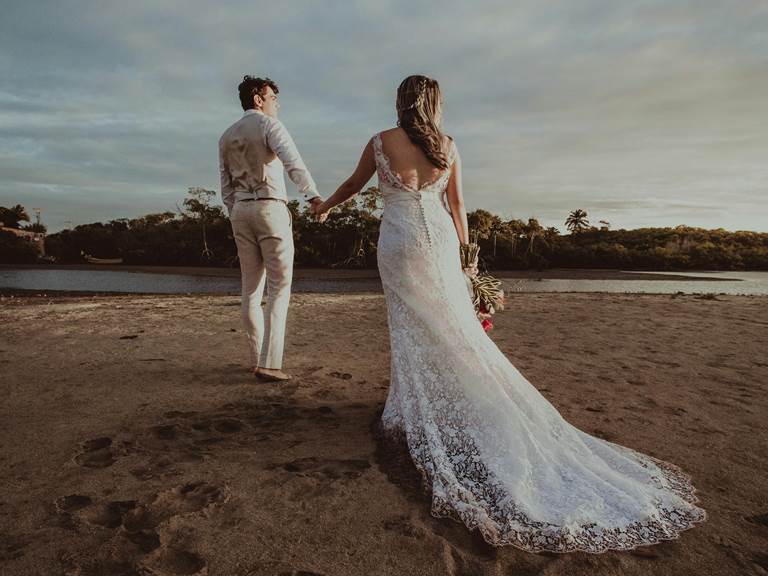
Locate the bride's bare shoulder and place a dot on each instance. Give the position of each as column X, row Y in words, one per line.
column 390, row 133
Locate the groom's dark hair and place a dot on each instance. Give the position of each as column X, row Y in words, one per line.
column 251, row 86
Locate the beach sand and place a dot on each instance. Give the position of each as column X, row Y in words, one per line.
column 135, row 442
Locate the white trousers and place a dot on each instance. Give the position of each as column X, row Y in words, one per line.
column 264, row 237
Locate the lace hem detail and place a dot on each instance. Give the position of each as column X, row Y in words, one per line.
column 494, row 521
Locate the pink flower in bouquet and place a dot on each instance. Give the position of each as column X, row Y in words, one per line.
column 487, row 324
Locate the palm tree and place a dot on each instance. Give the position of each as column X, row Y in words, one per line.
column 514, row 230
column 532, row 230
column 577, row 221
column 497, row 227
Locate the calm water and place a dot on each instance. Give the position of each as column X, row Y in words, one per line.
column 136, row 282
column 738, row 283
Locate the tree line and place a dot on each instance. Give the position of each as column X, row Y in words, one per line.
column 199, row 234
column 15, row 230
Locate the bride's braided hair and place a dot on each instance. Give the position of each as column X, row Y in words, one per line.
column 418, row 103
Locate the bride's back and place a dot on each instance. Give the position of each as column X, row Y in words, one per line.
column 408, row 160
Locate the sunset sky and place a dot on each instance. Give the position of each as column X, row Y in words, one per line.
column 643, row 113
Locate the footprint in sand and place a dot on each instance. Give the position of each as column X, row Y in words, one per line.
column 161, row 450
column 460, row 563
column 180, row 414
column 164, row 432
column 594, row 409
column 74, row 567
column 167, row 562
column 96, row 453
column 187, row 499
column 73, row 503
column 324, row 469
column 138, row 525
column 403, row 526
column 761, row 560
column 665, row 363
column 11, row 547
column 341, row 375
column 761, row 519
column 227, row 425
column 145, row 540
column 650, row 402
column 109, row 515
column 136, row 516
column 176, row 562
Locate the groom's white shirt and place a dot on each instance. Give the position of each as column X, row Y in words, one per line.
column 253, row 153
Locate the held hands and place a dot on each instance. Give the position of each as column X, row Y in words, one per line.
column 315, row 208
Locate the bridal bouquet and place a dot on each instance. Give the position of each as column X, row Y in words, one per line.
column 485, row 290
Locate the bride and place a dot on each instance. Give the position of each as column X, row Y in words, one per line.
column 493, row 452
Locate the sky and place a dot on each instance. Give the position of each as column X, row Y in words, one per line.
column 643, row 113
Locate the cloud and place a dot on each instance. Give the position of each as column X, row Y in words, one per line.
column 113, row 109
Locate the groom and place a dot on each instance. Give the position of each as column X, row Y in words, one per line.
column 252, row 155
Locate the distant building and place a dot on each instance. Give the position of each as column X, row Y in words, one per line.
column 36, row 238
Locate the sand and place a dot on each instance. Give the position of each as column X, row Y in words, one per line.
column 135, row 442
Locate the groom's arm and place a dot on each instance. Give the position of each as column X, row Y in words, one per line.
column 227, row 193
column 281, row 143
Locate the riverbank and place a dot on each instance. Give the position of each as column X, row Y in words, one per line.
column 133, row 437
column 368, row 274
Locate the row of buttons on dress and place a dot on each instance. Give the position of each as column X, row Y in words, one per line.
column 424, row 218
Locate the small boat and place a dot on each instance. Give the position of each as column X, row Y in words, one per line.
column 91, row 260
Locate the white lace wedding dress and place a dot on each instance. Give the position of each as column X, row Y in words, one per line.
column 493, row 452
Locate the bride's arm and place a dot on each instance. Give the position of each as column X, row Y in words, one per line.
column 352, row 185
column 456, row 201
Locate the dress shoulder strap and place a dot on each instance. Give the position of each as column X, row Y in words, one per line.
column 452, row 151
column 377, row 148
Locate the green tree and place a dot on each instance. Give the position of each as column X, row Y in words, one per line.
column 533, row 230
column 16, row 250
column 482, row 223
column 198, row 203
column 577, row 221
column 349, row 239
column 12, row 217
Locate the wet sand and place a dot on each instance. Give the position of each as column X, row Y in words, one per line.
column 135, row 442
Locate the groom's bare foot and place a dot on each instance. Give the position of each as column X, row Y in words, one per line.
column 272, row 375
